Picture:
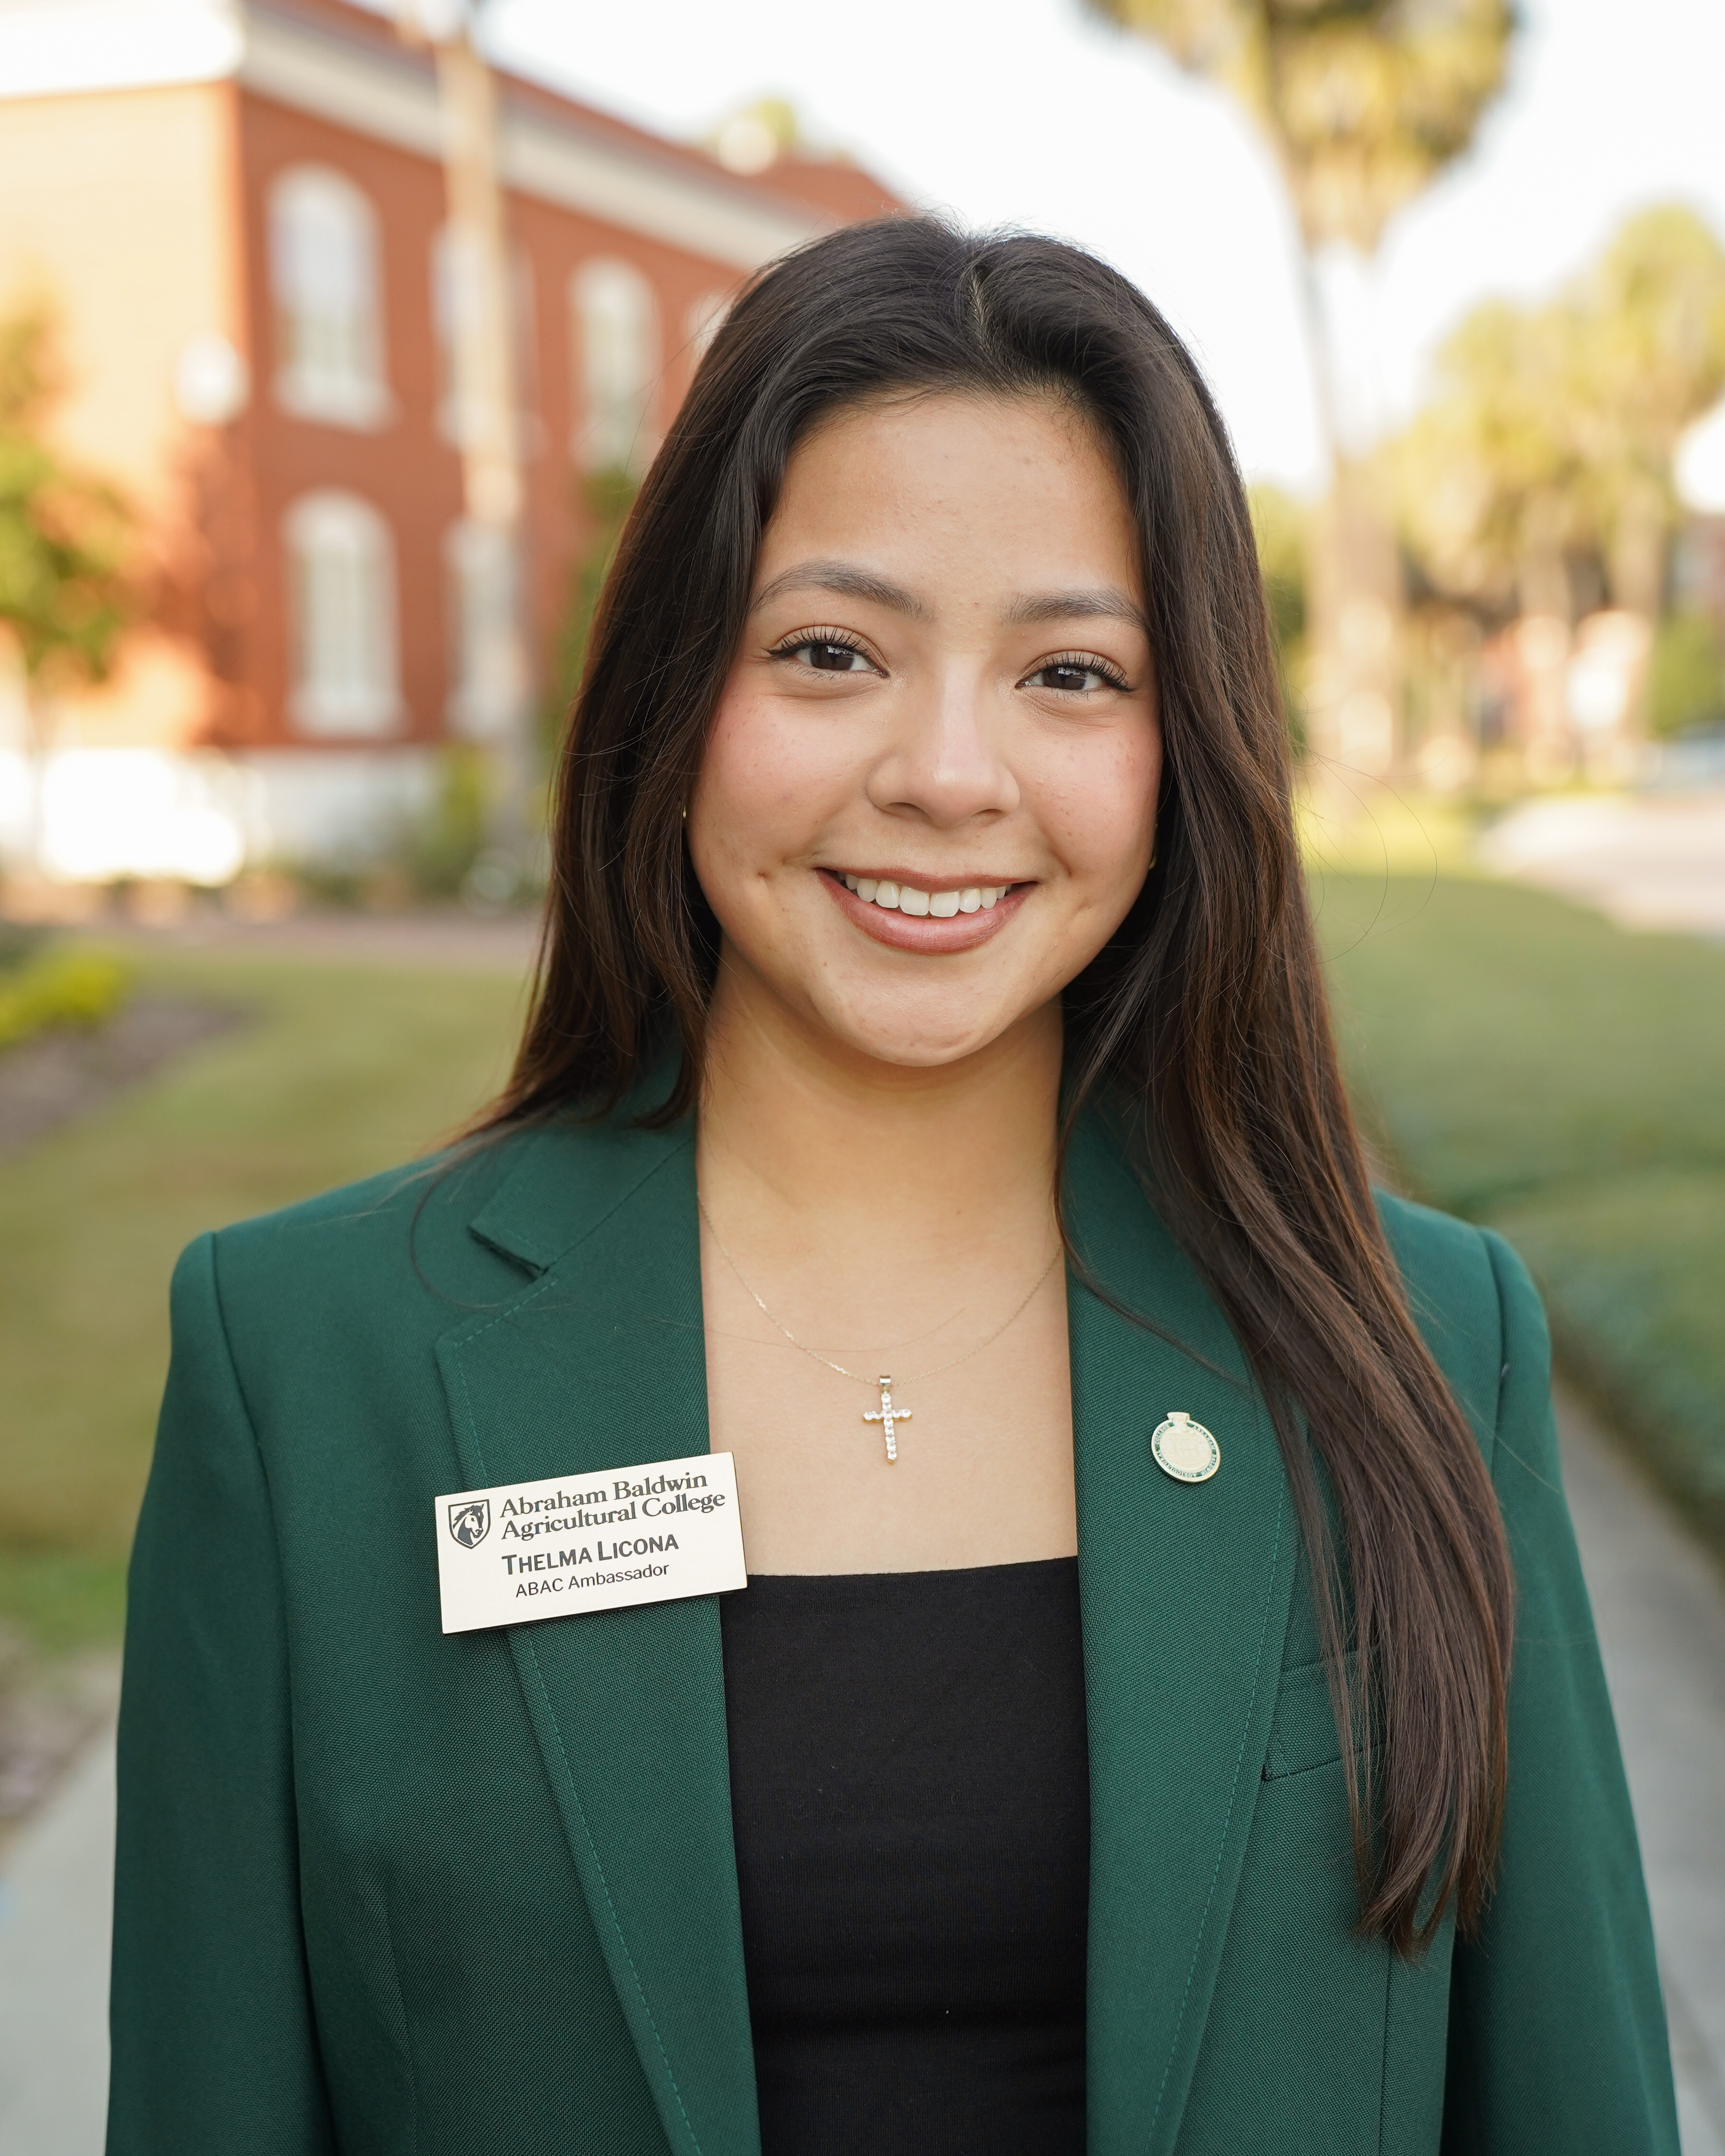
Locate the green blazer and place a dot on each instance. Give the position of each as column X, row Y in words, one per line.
column 395, row 1894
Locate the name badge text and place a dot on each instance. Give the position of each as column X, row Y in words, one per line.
column 574, row 1542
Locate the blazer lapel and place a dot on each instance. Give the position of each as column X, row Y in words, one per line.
column 600, row 1363
column 1185, row 1591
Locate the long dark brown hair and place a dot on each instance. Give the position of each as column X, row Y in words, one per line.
column 1205, row 1021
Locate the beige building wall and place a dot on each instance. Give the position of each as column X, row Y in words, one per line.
column 120, row 208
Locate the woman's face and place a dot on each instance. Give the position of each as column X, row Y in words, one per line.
column 929, row 794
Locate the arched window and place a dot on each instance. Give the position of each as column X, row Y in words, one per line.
column 616, row 335
column 324, row 275
column 341, row 617
column 481, row 582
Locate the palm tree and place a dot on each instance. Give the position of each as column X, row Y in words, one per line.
column 1553, row 429
column 486, row 379
column 1363, row 103
column 1651, row 332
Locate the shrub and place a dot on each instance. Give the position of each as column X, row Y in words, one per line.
column 75, row 988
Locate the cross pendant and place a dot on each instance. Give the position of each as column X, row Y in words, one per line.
column 888, row 1416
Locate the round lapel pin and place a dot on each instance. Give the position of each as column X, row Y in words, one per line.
column 1184, row 1449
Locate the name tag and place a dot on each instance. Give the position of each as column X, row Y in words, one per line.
column 573, row 1542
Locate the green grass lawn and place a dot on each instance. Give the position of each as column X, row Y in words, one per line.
column 1522, row 1062
column 342, row 1070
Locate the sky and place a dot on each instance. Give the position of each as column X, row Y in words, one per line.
column 1027, row 113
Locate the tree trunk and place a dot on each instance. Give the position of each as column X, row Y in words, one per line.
column 1353, row 695
column 487, row 398
column 1637, row 572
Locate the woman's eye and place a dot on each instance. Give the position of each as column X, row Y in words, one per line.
column 1074, row 676
column 825, row 654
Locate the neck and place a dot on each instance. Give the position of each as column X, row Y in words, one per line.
column 801, row 1135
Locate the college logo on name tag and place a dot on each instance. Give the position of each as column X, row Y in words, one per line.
column 573, row 1542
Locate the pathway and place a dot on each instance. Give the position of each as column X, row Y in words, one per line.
column 1649, row 861
column 54, row 1976
column 1660, row 1613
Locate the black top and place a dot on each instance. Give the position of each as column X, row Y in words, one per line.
column 910, row 1793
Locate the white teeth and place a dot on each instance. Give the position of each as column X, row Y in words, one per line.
column 905, row 898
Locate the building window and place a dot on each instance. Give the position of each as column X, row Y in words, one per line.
column 324, row 273
column 701, row 325
column 456, row 286
column 485, row 684
column 616, row 337
column 342, row 617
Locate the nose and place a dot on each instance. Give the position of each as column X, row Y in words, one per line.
column 945, row 765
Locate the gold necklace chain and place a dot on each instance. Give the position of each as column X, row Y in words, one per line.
column 887, row 1416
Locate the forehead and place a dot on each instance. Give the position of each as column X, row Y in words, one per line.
column 1013, row 491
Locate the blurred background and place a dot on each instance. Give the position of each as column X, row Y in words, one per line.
column 334, row 341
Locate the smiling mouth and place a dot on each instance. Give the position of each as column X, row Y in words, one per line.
column 894, row 897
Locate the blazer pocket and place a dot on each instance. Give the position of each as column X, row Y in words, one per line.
column 1304, row 1734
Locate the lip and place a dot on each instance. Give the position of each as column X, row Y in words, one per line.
column 924, row 934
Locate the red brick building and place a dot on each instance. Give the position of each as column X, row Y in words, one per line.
column 237, row 208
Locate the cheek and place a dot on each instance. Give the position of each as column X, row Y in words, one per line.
column 1100, row 813
column 768, row 780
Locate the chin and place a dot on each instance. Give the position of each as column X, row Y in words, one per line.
column 906, row 1042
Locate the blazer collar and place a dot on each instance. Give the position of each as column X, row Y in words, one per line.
column 1185, row 1593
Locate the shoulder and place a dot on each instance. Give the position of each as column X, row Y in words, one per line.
column 1443, row 1260
column 359, row 1227
column 464, row 1227
column 1476, row 1305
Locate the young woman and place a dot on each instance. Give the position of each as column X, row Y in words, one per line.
column 1162, row 1714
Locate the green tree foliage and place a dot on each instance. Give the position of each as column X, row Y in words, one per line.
column 1279, row 523
column 1553, row 428
column 66, row 536
column 1687, row 688
column 1364, row 101
column 607, row 497
column 1282, row 528
column 441, row 851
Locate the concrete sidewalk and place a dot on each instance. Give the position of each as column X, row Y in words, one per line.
column 1648, row 860
column 54, row 1900
column 1661, row 1611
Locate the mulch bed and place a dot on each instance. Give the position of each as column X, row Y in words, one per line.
column 56, row 1076
column 48, row 1710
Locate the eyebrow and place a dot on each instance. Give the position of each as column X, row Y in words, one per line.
column 1103, row 604
column 848, row 582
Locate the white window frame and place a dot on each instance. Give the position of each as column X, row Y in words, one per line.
column 481, row 585
column 701, row 322
column 330, row 342
column 344, row 642
column 612, row 307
